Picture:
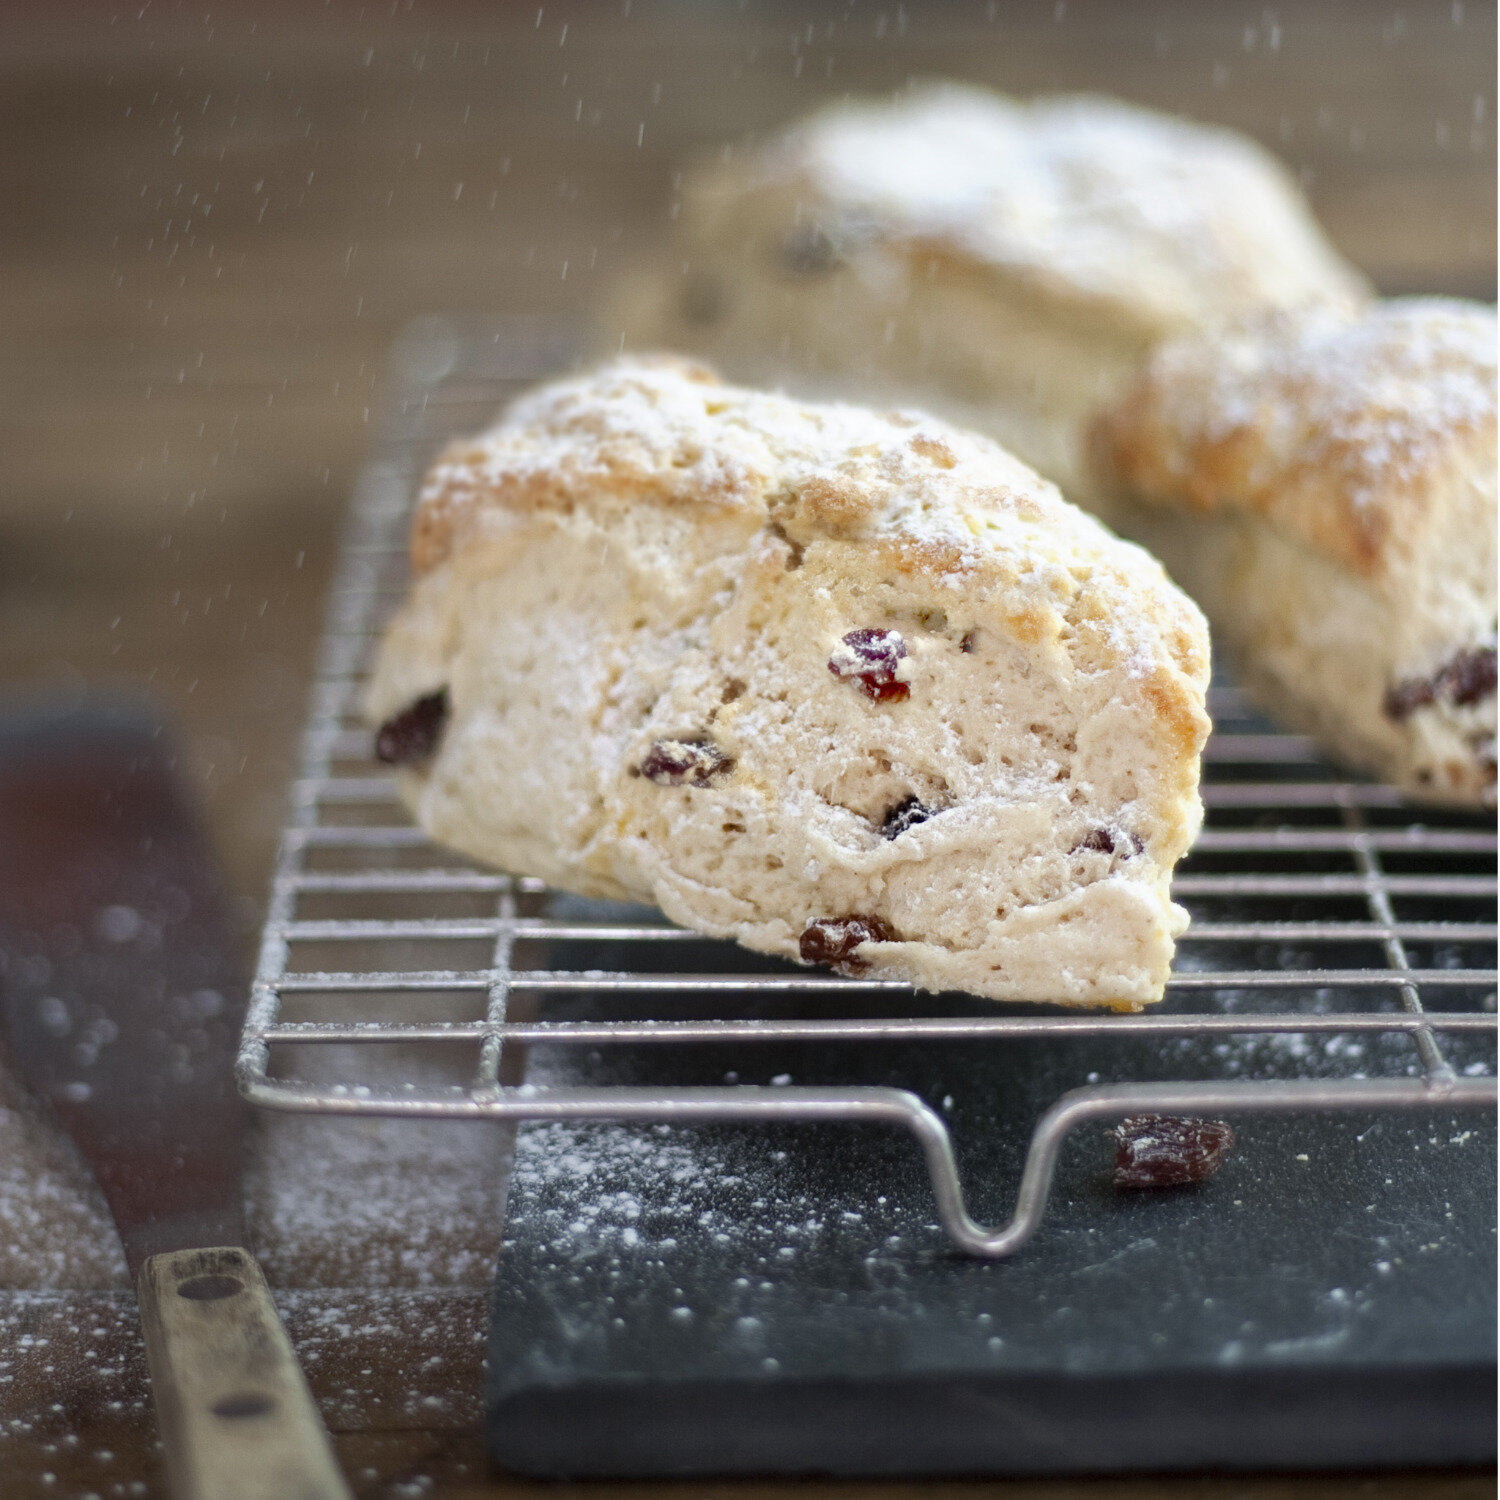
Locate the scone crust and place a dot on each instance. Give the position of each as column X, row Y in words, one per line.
column 1152, row 223
column 1006, row 263
column 1324, row 484
column 643, row 558
column 1338, row 428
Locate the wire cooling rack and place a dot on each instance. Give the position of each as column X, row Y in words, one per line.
column 394, row 979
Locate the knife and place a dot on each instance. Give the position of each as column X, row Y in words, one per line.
column 120, row 1005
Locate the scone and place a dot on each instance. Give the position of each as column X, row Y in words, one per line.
column 852, row 688
column 1324, row 485
column 1005, row 264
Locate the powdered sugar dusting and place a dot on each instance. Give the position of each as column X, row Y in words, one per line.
column 329, row 1203
column 625, row 1200
column 376, row 1203
column 57, row 1231
column 1167, row 220
column 1378, row 398
column 663, row 430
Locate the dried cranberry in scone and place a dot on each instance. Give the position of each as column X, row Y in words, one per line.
column 905, row 814
column 1109, row 841
column 1095, row 841
column 1464, row 679
column 875, row 662
column 832, row 940
column 411, row 737
column 685, row 762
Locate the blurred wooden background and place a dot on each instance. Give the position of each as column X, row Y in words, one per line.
column 216, row 216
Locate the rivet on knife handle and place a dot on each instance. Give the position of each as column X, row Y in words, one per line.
column 236, row 1417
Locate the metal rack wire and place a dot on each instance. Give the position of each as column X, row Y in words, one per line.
column 1323, row 907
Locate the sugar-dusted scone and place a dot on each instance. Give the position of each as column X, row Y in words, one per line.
column 1324, row 485
column 1005, row 264
column 849, row 687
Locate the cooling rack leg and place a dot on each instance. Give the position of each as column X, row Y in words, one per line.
column 1117, row 1101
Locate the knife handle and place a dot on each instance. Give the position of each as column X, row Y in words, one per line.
column 236, row 1417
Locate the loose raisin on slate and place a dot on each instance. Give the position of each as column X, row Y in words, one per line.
column 411, row 736
column 685, row 762
column 868, row 659
column 832, row 940
column 1153, row 1151
column 904, row 815
column 1464, row 678
column 808, row 252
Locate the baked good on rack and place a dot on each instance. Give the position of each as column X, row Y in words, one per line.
column 1007, row 264
column 846, row 687
column 1324, row 485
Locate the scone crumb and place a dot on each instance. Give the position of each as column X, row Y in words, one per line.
column 685, row 762
column 875, row 662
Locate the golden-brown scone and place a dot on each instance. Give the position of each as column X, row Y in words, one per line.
column 1324, row 485
column 1006, row 264
column 839, row 685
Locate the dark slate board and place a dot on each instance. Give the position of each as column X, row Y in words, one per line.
column 741, row 1299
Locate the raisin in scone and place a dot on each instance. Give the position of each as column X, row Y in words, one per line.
column 1005, row 264
column 852, row 688
column 1324, row 485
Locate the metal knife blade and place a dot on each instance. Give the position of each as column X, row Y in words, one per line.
column 120, row 996
column 120, row 1005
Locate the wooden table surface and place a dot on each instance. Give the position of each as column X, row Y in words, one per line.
column 215, row 218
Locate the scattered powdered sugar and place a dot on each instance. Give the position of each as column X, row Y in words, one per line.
column 329, row 1202
column 55, row 1230
column 376, row 1203
column 387, row 1230
column 369, row 1202
column 622, row 1199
